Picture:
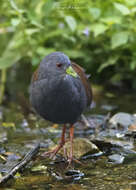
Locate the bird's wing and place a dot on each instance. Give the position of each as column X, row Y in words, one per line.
column 35, row 75
column 80, row 71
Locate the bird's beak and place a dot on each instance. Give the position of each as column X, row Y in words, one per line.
column 70, row 71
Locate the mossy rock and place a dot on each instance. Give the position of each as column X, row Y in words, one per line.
column 81, row 147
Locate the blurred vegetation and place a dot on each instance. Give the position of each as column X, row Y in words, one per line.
column 99, row 35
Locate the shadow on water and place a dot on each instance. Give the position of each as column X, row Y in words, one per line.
column 113, row 169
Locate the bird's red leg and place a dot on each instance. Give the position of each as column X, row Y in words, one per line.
column 70, row 159
column 53, row 152
column 71, row 142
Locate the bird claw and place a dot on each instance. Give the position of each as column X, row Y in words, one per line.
column 70, row 160
column 51, row 154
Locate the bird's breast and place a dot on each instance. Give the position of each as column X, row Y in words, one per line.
column 61, row 100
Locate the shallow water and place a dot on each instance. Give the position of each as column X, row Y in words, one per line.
column 18, row 134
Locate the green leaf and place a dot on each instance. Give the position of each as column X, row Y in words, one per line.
column 111, row 61
column 110, row 95
column 122, row 8
column 37, row 24
column 119, row 39
column 71, row 22
column 12, row 53
column 98, row 29
column 48, row 6
column 35, row 60
column 112, row 20
column 95, row 12
column 74, row 53
column 30, row 31
column 133, row 10
column 8, row 59
column 14, row 6
column 15, row 21
column 133, row 65
column 53, row 34
column 116, row 77
column 42, row 51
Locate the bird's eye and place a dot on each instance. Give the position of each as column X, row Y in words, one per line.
column 59, row 65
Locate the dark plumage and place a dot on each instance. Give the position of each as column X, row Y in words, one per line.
column 60, row 92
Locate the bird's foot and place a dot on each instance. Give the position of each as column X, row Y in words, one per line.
column 51, row 154
column 72, row 160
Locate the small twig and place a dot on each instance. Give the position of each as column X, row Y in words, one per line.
column 21, row 164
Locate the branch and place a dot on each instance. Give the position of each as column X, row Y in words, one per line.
column 28, row 157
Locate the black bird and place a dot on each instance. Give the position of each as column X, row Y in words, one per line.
column 60, row 93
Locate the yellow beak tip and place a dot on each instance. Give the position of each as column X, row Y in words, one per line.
column 71, row 71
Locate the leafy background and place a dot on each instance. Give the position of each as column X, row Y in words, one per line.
column 98, row 35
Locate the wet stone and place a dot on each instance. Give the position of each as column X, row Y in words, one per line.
column 13, row 157
column 133, row 185
column 123, row 119
column 93, row 121
column 3, row 169
column 46, row 143
column 81, row 147
column 2, row 149
column 75, row 174
column 3, row 137
column 130, row 156
column 66, row 174
column 132, row 128
column 109, row 143
column 116, row 158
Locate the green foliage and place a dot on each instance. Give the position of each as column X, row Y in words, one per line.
column 119, row 38
column 99, row 35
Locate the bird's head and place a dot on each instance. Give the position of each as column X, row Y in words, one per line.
column 58, row 63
